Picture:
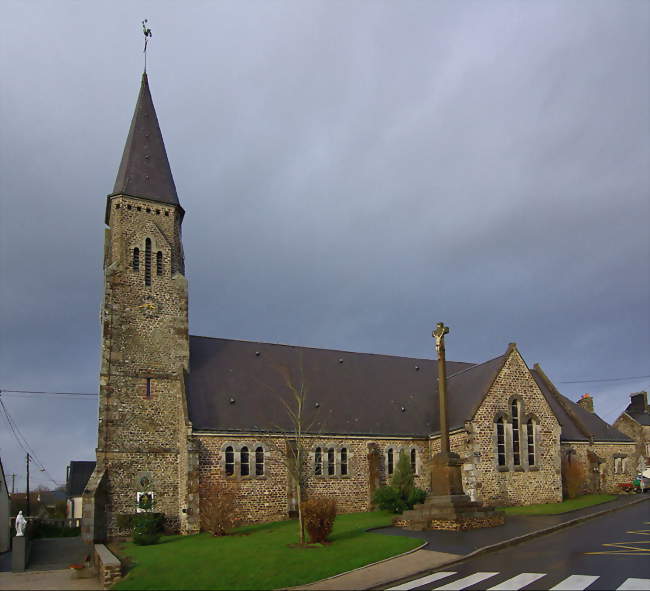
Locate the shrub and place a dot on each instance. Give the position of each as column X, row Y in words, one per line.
column 417, row 495
column 147, row 528
column 319, row 514
column 402, row 493
column 218, row 505
column 388, row 499
column 402, row 480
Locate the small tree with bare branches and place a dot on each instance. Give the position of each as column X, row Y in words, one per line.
column 291, row 446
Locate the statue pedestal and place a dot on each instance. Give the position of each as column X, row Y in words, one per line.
column 447, row 507
column 450, row 512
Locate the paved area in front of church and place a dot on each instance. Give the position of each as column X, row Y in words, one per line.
column 445, row 547
column 48, row 566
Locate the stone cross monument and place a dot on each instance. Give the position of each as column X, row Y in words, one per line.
column 446, row 476
column 447, row 507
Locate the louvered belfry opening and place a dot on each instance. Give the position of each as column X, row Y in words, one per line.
column 159, row 263
column 147, row 261
column 136, row 259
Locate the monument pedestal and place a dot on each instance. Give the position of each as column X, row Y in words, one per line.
column 450, row 512
column 447, row 507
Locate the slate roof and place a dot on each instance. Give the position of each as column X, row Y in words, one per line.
column 643, row 418
column 144, row 170
column 577, row 423
column 238, row 386
column 78, row 477
column 638, row 408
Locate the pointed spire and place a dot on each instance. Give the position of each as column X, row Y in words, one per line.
column 144, row 170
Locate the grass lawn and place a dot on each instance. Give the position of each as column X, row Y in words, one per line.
column 556, row 508
column 258, row 557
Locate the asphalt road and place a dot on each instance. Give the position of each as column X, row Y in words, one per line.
column 604, row 553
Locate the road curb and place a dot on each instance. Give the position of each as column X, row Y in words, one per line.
column 516, row 540
column 354, row 570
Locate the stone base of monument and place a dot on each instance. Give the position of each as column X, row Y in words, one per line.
column 450, row 512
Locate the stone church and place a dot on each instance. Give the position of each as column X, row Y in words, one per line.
column 180, row 414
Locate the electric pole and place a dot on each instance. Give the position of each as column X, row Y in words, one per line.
column 28, row 508
column 13, row 483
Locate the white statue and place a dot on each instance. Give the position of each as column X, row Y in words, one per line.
column 21, row 522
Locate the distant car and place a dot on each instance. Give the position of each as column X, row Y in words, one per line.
column 641, row 482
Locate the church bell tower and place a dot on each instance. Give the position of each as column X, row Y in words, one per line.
column 144, row 448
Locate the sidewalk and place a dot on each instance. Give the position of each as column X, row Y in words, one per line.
column 444, row 547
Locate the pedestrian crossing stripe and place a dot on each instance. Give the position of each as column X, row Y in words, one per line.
column 571, row 583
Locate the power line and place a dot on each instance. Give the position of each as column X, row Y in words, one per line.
column 631, row 378
column 3, row 391
column 24, row 444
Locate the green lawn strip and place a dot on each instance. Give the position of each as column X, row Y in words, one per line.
column 557, row 508
column 258, row 557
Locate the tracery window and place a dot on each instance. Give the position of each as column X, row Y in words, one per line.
column 344, row 461
column 390, row 461
column 530, row 429
column 414, row 461
column 244, row 458
column 318, row 461
column 259, row 461
column 501, row 442
column 331, row 466
column 230, row 461
column 516, row 434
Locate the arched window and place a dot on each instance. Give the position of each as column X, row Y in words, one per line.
column 259, row 461
column 318, row 461
column 516, row 434
column 331, row 466
column 414, row 460
column 344, row 461
column 501, row 442
column 159, row 263
column 230, row 461
column 530, row 428
column 136, row 259
column 147, row 261
column 245, row 461
column 390, row 461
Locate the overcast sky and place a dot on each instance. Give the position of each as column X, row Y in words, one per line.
column 352, row 172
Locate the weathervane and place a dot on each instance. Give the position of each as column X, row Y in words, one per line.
column 147, row 33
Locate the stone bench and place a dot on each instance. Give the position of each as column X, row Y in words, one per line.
column 109, row 568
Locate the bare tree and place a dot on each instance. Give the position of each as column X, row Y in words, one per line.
column 291, row 446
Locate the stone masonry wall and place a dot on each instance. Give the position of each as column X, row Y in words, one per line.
column 268, row 497
column 603, row 477
column 640, row 434
column 510, row 484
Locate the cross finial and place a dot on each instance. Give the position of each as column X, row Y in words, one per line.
column 439, row 334
column 146, row 31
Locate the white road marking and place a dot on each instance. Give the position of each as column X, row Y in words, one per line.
column 421, row 581
column 466, row 582
column 635, row 585
column 517, row 582
column 574, row 583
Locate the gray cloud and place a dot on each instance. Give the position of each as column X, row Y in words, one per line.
column 352, row 173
